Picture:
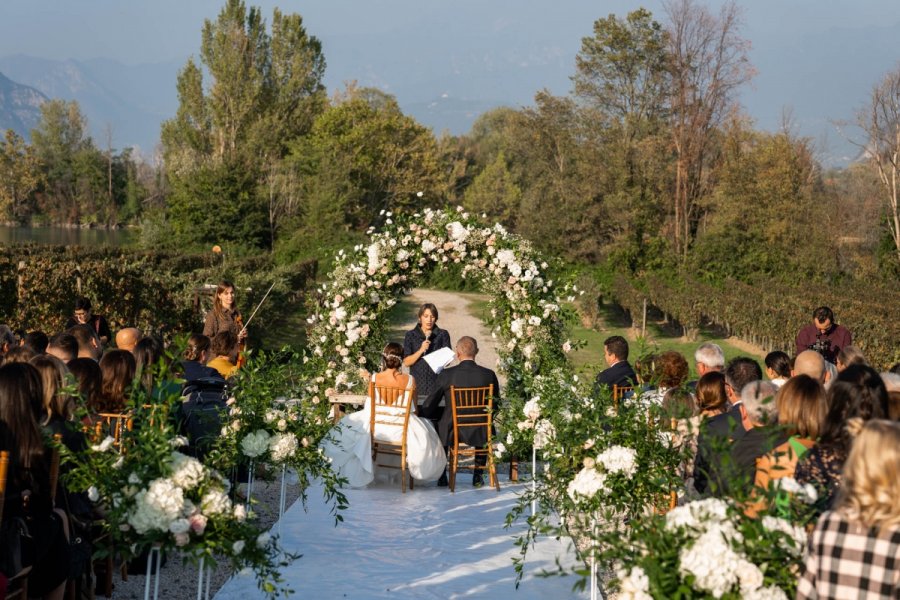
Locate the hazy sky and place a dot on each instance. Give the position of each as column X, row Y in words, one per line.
column 819, row 57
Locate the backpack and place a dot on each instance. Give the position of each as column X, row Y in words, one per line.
column 200, row 415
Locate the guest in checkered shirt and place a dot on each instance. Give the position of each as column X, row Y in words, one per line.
column 854, row 551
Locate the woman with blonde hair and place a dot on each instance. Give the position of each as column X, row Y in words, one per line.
column 854, row 551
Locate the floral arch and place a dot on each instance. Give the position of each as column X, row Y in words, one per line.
column 348, row 324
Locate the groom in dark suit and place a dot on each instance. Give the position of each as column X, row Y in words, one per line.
column 465, row 374
column 615, row 352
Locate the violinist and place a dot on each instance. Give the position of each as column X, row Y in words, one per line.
column 224, row 315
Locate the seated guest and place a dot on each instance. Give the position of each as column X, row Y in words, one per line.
column 824, row 335
column 150, row 362
column 670, row 370
column 810, row 362
column 711, row 401
column 465, row 374
column 59, row 408
column 37, row 341
column 618, row 371
column 709, row 357
column 892, row 384
column 859, row 395
column 800, row 404
column 117, row 368
column 63, row 346
column 849, row 355
column 7, row 339
column 19, row 354
column 195, row 357
column 224, row 348
column 89, row 345
column 89, row 378
column 84, row 316
column 127, row 338
column 852, row 552
column 718, row 432
column 735, row 475
column 778, row 367
column 29, row 469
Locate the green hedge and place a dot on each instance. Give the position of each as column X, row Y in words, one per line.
column 155, row 291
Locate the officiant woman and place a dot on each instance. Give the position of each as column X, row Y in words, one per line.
column 423, row 339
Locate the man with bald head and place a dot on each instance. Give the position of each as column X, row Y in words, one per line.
column 127, row 338
column 465, row 374
column 810, row 362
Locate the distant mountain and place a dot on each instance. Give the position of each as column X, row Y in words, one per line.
column 20, row 106
column 132, row 101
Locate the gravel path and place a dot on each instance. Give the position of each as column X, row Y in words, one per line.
column 178, row 578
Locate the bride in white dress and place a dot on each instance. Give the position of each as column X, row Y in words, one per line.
column 350, row 445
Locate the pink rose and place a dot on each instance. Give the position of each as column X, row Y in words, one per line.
column 198, row 523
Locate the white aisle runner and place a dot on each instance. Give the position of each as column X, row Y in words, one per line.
column 427, row 543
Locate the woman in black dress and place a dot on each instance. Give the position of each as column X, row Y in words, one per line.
column 423, row 339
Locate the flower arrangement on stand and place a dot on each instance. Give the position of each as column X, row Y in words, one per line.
column 607, row 464
column 273, row 419
column 154, row 497
column 706, row 549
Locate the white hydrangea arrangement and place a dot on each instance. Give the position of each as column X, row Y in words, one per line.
column 152, row 494
column 715, row 550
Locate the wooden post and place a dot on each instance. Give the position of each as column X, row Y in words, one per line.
column 78, row 281
column 644, row 321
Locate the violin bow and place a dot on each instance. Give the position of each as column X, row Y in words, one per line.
column 253, row 314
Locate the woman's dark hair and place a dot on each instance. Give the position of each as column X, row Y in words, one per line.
column 147, row 354
column 779, row 362
column 427, row 306
column 37, row 341
column 118, row 369
column 197, row 344
column 53, row 378
column 90, row 382
column 20, row 409
column 217, row 304
column 224, row 343
column 19, row 354
column 858, row 393
column 391, row 356
column 679, row 403
column 711, row 396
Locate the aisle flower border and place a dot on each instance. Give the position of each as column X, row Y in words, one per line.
column 349, row 314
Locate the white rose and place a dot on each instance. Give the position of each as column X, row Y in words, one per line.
column 238, row 547
column 105, row 445
column 263, row 539
column 93, row 494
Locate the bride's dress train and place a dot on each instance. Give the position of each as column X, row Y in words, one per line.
column 350, row 446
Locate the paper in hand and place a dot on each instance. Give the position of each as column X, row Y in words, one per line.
column 439, row 359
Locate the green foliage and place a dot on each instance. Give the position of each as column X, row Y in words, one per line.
column 494, row 193
column 265, row 93
column 154, row 291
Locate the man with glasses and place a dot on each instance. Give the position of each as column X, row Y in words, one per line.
column 84, row 316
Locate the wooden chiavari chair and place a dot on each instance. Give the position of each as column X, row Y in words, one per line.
column 472, row 408
column 17, row 583
column 391, row 408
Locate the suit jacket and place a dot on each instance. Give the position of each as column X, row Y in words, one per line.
column 620, row 373
column 716, row 438
column 465, row 374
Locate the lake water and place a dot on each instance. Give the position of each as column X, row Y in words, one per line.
column 63, row 236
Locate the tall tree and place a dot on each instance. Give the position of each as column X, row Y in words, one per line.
column 880, row 120
column 265, row 91
column 20, row 175
column 708, row 63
